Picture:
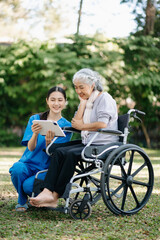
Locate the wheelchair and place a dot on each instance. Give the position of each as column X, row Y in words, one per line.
column 120, row 173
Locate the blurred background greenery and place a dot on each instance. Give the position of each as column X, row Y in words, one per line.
column 130, row 66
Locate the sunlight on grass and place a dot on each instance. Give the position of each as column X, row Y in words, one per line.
column 102, row 224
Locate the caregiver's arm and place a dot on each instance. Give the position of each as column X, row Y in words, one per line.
column 33, row 141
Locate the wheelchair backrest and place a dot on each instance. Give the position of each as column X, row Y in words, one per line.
column 123, row 121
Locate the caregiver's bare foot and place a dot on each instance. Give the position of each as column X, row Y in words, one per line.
column 44, row 197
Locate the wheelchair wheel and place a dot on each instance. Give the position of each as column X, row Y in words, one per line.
column 127, row 180
column 80, row 211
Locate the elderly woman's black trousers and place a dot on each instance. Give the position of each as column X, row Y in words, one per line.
column 63, row 162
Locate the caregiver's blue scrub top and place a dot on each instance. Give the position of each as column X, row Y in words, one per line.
column 38, row 158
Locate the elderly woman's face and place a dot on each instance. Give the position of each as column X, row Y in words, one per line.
column 83, row 90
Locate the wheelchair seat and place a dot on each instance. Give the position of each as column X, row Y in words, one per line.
column 100, row 151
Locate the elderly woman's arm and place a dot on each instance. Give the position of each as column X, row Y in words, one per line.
column 80, row 125
column 77, row 121
column 81, row 108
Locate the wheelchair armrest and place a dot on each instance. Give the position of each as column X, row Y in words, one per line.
column 71, row 129
column 112, row 132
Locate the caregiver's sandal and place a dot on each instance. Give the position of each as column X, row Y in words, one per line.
column 21, row 208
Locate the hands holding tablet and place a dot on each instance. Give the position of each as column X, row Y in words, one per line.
column 48, row 128
column 36, row 129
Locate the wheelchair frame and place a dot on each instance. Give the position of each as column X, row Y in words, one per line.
column 120, row 167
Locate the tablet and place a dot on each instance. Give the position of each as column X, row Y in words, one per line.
column 50, row 125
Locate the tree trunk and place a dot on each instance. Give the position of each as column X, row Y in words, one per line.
column 146, row 135
column 79, row 16
column 150, row 17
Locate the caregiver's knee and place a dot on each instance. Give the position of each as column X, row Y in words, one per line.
column 18, row 168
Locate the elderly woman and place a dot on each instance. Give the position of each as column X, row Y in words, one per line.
column 97, row 109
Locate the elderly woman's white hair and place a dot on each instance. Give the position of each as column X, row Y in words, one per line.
column 89, row 77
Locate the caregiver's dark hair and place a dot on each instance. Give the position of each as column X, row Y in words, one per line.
column 56, row 89
column 44, row 115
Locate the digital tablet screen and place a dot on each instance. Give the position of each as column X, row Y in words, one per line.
column 50, row 125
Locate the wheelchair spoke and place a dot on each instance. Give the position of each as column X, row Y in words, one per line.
column 117, row 189
column 116, row 177
column 130, row 163
column 138, row 170
column 122, row 168
column 134, row 196
column 95, row 181
column 141, row 183
column 83, row 214
column 124, row 197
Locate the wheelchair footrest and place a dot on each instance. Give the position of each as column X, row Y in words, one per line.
column 58, row 209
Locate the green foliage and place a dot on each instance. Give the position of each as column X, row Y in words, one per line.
column 9, row 139
column 130, row 68
column 142, row 70
column 142, row 76
column 28, row 70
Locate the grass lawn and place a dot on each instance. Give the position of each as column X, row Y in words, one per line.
column 102, row 224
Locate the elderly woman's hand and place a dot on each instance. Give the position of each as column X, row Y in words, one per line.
column 78, row 124
column 82, row 101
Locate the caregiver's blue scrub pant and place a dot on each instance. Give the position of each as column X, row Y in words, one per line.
column 22, row 177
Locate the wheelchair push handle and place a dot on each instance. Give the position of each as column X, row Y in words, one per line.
column 134, row 111
column 140, row 112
